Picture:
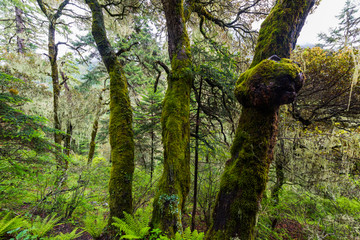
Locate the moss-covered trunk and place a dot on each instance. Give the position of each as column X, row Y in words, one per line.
column 270, row 82
column 120, row 127
column 174, row 184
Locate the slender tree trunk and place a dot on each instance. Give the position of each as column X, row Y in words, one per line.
column 174, row 184
column 94, row 131
column 20, row 27
column 279, row 170
column 52, row 54
column 196, row 157
column 120, row 127
column 261, row 90
column 152, row 149
column 67, row 139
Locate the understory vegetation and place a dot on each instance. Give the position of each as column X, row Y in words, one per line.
column 56, row 159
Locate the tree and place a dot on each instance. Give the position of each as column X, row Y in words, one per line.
column 346, row 34
column 120, row 126
column 53, row 17
column 19, row 132
column 174, row 184
column 269, row 82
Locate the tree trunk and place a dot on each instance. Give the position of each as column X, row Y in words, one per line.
column 268, row 84
column 174, row 183
column 20, row 27
column 52, row 54
column 120, row 127
column 94, row 132
column 196, row 157
column 67, row 139
column 280, row 174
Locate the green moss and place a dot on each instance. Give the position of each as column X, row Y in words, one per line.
column 174, row 184
column 261, row 90
column 267, row 83
column 278, row 33
column 122, row 145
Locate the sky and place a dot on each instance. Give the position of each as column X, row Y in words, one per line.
column 321, row 20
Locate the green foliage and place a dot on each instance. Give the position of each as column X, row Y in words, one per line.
column 347, row 31
column 95, row 224
column 68, row 236
column 188, row 235
column 40, row 227
column 8, row 224
column 134, row 227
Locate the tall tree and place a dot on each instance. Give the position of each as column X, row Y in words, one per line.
column 174, row 184
column 20, row 28
column 52, row 17
column 270, row 82
column 346, row 34
column 120, row 127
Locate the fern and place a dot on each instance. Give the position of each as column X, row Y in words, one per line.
column 40, row 228
column 7, row 224
column 68, row 236
column 188, row 235
column 94, row 225
column 132, row 227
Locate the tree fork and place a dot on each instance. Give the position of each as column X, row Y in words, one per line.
column 270, row 82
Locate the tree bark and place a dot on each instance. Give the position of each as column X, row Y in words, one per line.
column 120, row 127
column 20, row 27
column 94, row 132
column 270, row 82
column 67, row 139
column 174, row 183
column 52, row 54
column 196, row 157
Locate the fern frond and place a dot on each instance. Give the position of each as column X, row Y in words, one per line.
column 7, row 224
column 41, row 227
column 123, row 226
column 69, row 236
column 134, row 228
column 95, row 225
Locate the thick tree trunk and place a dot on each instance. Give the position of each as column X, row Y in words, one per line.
column 20, row 27
column 174, row 184
column 261, row 90
column 120, row 127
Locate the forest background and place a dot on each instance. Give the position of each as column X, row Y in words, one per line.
column 55, row 153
